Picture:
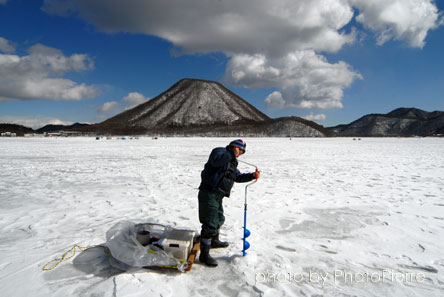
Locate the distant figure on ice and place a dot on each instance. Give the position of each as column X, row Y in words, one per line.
column 218, row 177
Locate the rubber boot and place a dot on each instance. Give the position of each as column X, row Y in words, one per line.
column 204, row 256
column 216, row 243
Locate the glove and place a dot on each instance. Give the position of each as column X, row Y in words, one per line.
column 256, row 174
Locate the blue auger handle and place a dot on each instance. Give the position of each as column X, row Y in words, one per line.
column 246, row 244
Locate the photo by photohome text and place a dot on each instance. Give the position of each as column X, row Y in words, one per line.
column 340, row 276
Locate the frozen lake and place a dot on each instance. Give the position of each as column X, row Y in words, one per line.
column 329, row 217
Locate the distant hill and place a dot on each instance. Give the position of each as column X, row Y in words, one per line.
column 56, row 128
column 281, row 127
column 414, row 113
column 202, row 107
column 19, row 130
column 209, row 109
column 399, row 122
column 289, row 127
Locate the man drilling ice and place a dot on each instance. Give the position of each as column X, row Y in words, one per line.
column 219, row 174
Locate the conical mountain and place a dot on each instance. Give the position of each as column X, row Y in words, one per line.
column 190, row 102
column 202, row 107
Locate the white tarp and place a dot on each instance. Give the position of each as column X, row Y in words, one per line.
column 127, row 252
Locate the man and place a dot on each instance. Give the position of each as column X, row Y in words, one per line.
column 218, row 177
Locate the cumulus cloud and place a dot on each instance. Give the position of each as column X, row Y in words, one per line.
column 39, row 75
column 306, row 80
column 275, row 100
column 133, row 99
column 277, row 44
column 113, row 107
column 34, row 122
column 108, row 107
column 404, row 20
column 6, row 46
column 315, row 117
column 229, row 26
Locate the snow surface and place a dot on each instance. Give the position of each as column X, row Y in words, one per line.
column 371, row 209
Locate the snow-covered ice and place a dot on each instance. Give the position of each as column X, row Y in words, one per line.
column 329, row 216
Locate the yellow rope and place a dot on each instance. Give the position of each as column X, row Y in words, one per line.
column 64, row 257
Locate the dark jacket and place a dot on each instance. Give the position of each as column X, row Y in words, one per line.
column 220, row 172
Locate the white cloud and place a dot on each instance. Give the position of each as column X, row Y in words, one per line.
column 3, row 1
column 405, row 20
column 230, row 26
column 306, row 80
column 34, row 122
column 6, row 46
column 114, row 107
column 315, row 117
column 108, row 107
column 134, row 98
column 275, row 100
column 39, row 75
column 270, row 43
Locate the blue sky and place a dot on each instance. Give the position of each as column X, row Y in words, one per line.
column 332, row 61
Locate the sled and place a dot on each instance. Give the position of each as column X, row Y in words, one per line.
column 193, row 253
column 189, row 261
column 147, row 245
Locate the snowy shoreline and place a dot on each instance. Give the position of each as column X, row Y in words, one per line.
column 329, row 216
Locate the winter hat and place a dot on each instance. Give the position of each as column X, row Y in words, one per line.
column 240, row 144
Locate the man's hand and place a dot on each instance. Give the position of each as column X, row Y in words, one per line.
column 256, row 174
